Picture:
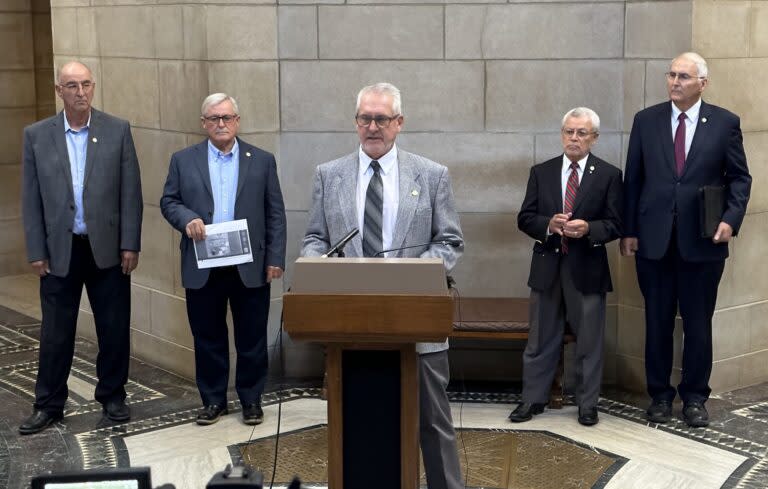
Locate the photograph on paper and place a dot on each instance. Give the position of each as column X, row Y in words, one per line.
column 225, row 244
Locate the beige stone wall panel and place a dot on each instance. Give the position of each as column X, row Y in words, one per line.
column 154, row 149
column 39, row 6
column 257, row 42
column 534, row 95
column 18, row 88
column 169, row 31
column 183, row 86
column 155, row 268
column 645, row 23
column 494, row 248
column 43, row 41
column 300, row 153
column 164, row 354
column 168, row 314
column 754, row 368
column 195, row 32
column 748, row 280
column 737, row 85
column 70, row 3
column 13, row 236
column 655, row 83
column 268, row 141
column 254, row 85
column 455, row 104
column 721, row 29
column 45, row 90
column 727, row 375
column 130, row 90
column 507, row 31
column 16, row 6
column 140, row 306
column 630, row 334
column 13, row 121
column 297, row 227
column 297, row 32
column 10, row 192
column 397, row 32
column 126, row 31
column 756, row 148
column 758, row 326
column 64, row 40
column 13, row 263
column 758, row 41
column 489, row 171
column 87, row 36
column 730, row 333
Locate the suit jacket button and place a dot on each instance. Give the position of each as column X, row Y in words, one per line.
column 557, row 250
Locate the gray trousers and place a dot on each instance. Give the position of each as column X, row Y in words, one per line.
column 550, row 309
column 438, row 438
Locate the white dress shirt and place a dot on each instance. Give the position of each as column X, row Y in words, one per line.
column 691, row 121
column 565, row 172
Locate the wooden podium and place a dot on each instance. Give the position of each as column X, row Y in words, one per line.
column 370, row 312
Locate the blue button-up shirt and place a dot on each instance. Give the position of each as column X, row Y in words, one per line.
column 77, row 147
column 224, row 169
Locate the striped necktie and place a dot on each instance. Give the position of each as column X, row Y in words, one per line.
column 570, row 197
column 374, row 205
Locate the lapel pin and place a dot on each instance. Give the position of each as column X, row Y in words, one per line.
column 591, row 168
column 414, row 192
column 704, row 120
column 248, row 154
column 94, row 140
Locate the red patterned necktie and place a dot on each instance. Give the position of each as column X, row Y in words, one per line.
column 570, row 197
column 680, row 144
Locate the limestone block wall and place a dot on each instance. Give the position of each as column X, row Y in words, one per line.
column 737, row 52
column 485, row 83
column 26, row 78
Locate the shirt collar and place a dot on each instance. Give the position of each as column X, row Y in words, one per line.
column 68, row 128
column 567, row 163
column 387, row 162
column 216, row 152
column 692, row 114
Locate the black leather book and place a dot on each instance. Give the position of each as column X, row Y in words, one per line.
column 711, row 208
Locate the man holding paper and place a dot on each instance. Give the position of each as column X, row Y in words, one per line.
column 220, row 180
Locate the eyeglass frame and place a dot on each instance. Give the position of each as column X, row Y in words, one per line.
column 576, row 132
column 215, row 119
column 379, row 120
column 73, row 86
column 683, row 77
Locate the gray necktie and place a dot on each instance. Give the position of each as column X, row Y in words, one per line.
column 374, row 203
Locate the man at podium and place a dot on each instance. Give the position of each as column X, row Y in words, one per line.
column 404, row 203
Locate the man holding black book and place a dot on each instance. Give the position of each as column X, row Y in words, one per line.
column 680, row 152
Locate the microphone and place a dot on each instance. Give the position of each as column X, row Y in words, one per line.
column 445, row 242
column 338, row 248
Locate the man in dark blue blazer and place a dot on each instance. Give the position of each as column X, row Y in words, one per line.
column 675, row 149
column 223, row 179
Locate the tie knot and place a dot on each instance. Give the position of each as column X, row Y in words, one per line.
column 682, row 117
column 574, row 166
column 375, row 166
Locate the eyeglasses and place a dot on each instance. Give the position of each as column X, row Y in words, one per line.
column 580, row 133
column 214, row 119
column 683, row 77
column 382, row 121
column 75, row 86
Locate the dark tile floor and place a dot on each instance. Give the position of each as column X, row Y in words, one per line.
column 158, row 398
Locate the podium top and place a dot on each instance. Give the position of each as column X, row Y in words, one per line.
column 409, row 276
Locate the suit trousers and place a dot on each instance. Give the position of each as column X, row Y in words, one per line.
column 109, row 293
column 438, row 438
column 549, row 311
column 665, row 283
column 207, row 312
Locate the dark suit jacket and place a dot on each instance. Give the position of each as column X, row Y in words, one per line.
column 188, row 195
column 112, row 203
column 654, row 192
column 598, row 202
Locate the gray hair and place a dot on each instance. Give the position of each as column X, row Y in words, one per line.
column 580, row 112
column 216, row 99
column 61, row 69
column 701, row 63
column 382, row 88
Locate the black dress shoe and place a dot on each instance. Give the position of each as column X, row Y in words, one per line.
column 117, row 410
column 525, row 411
column 695, row 415
column 252, row 414
column 39, row 421
column 659, row 411
column 210, row 414
column 588, row 416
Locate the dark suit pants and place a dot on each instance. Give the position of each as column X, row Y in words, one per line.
column 666, row 283
column 109, row 293
column 207, row 311
column 438, row 438
column 549, row 311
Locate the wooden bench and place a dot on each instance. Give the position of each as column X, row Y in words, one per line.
column 502, row 318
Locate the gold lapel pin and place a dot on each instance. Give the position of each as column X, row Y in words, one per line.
column 704, row 120
column 94, row 140
column 414, row 192
column 248, row 154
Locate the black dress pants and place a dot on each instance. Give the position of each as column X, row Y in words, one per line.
column 665, row 284
column 207, row 311
column 109, row 292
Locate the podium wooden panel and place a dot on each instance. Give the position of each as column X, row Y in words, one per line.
column 369, row 316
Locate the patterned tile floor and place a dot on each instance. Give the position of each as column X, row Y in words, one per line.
column 495, row 453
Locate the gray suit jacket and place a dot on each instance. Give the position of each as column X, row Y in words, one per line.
column 188, row 195
column 426, row 213
column 112, row 203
